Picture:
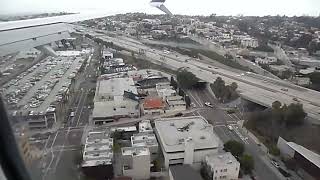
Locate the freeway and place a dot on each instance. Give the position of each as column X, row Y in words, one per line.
column 220, row 120
column 253, row 87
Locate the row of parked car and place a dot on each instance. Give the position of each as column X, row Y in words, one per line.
column 20, row 86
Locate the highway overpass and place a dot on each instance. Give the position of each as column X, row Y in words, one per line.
column 253, row 87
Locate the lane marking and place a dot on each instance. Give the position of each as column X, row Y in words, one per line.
column 85, row 97
column 194, row 99
column 54, row 139
column 60, row 153
column 76, row 110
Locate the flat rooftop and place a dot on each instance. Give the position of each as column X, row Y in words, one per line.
column 98, row 148
column 114, row 87
column 135, row 151
column 106, row 109
column 145, row 126
column 221, row 159
column 173, row 131
column 144, row 139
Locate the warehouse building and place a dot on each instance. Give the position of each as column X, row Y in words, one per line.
column 115, row 99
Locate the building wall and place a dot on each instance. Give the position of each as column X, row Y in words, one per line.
column 198, row 156
column 140, row 168
column 307, row 166
column 170, row 175
column 101, row 172
column 176, row 109
column 229, row 172
column 153, row 111
column 285, row 150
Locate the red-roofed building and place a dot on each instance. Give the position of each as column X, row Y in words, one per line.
column 153, row 106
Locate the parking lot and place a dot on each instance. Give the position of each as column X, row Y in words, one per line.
column 42, row 84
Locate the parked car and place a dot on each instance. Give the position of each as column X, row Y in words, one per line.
column 208, row 104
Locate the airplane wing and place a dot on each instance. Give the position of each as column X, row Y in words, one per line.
column 24, row 34
column 160, row 5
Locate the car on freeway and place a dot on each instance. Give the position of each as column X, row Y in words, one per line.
column 208, row 104
column 275, row 164
column 230, row 127
column 284, row 89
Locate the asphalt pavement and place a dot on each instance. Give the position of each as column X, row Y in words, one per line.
column 220, row 119
column 63, row 147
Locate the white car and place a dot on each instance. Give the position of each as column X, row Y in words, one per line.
column 230, row 127
column 208, row 104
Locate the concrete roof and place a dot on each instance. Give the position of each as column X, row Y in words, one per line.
column 143, row 139
column 135, row 151
column 114, row 87
column 221, row 159
column 184, row 172
column 309, row 155
column 114, row 108
column 98, row 148
column 145, row 126
column 199, row 130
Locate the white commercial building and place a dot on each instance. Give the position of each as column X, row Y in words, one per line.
column 176, row 104
column 223, row 166
column 136, row 162
column 186, row 140
column 98, row 154
column 107, row 54
column 145, row 126
column 249, row 42
column 115, row 99
column 267, row 60
column 148, row 140
column 164, row 90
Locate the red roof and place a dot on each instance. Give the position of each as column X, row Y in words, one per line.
column 153, row 103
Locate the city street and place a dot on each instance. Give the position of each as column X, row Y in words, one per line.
column 63, row 148
column 220, row 119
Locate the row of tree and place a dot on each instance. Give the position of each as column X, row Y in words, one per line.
column 237, row 150
column 224, row 92
column 186, row 79
column 274, row 122
column 181, row 92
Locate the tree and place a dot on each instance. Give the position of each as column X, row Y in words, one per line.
column 173, row 83
column 223, row 92
column 181, row 92
column 188, row 101
column 157, row 164
column 218, row 87
column 186, row 79
column 276, row 105
column 295, row 115
column 234, row 147
column 116, row 147
column 234, row 86
column 274, row 150
column 247, row 163
column 315, row 77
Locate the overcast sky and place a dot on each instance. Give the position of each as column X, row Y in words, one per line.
column 189, row 7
